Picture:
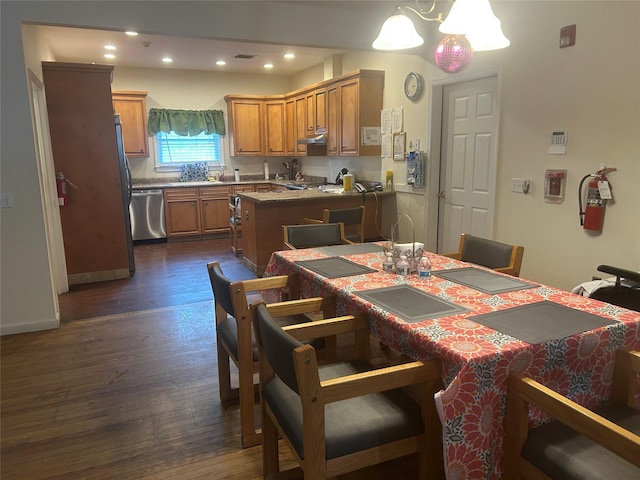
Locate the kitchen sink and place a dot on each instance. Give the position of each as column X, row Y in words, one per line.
column 290, row 186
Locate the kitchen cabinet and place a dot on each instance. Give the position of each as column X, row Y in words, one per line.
column 320, row 110
column 274, row 127
column 257, row 126
column 341, row 107
column 199, row 211
column 290, row 127
column 244, row 188
column 246, row 117
column 359, row 105
column 182, row 212
column 132, row 108
column 301, row 124
column 214, row 207
column 332, row 120
column 310, row 113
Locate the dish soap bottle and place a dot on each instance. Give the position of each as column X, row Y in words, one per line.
column 424, row 268
column 402, row 267
column 387, row 263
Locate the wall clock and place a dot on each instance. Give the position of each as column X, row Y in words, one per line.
column 413, row 86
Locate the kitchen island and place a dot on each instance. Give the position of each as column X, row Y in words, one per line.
column 264, row 214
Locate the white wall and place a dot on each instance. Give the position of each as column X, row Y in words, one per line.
column 590, row 89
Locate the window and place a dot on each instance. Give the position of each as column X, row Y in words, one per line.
column 174, row 150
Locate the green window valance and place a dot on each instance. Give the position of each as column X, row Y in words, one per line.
column 185, row 122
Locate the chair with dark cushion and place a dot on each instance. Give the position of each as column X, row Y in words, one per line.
column 342, row 416
column 498, row 256
column 352, row 218
column 236, row 342
column 578, row 443
column 313, row 235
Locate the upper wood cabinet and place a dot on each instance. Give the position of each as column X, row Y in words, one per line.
column 320, row 110
column 332, row 120
column 246, row 125
column 271, row 125
column 290, row 127
column 274, row 126
column 132, row 108
column 256, row 125
column 359, row 105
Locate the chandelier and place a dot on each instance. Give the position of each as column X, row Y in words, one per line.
column 471, row 26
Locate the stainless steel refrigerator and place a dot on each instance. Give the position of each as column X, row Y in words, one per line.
column 126, row 184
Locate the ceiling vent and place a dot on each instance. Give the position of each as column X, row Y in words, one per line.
column 244, row 57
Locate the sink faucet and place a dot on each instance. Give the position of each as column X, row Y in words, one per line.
column 292, row 168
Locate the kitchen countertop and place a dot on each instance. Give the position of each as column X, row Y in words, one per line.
column 145, row 184
column 297, row 195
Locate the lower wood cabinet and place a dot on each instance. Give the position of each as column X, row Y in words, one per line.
column 182, row 212
column 193, row 211
column 214, row 209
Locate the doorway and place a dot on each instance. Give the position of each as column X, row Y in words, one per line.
column 464, row 119
column 46, row 178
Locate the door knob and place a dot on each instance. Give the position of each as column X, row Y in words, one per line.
column 442, row 194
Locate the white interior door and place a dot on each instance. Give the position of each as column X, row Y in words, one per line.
column 468, row 161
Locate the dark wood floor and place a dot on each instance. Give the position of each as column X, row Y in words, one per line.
column 126, row 387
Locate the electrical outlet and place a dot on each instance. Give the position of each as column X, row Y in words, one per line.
column 520, row 185
column 6, row 200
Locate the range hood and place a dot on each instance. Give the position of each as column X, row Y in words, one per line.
column 317, row 140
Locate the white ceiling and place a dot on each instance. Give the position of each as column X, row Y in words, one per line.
column 81, row 45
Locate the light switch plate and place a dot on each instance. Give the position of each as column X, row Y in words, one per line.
column 6, row 200
column 520, row 185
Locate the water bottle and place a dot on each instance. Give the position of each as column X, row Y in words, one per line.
column 402, row 267
column 424, row 268
column 387, row 263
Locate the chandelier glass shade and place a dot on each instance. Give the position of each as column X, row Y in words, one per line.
column 476, row 20
column 398, row 33
column 453, row 53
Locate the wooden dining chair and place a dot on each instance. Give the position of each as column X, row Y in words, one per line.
column 343, row 416
column 579, row 443
column 235, row 224
column 235, row 340
column 313, row 235
column 352, row 218
column 498, row 256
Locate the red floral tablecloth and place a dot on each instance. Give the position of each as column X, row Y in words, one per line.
column 476, row 360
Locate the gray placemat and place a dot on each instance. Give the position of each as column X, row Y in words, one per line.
column 409, row 303
column 335, row 267
column 541, row 322
column 487, row 282
column 340, row 250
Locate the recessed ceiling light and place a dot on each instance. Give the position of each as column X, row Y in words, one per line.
column 109, row 47
column 109, row 55
column 289, row 55
column 167, row 59
column 221, row 62
column 268, row 65
column 131, row 33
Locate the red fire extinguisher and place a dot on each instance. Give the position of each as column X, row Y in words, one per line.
column 61, row 186
column 598, row 192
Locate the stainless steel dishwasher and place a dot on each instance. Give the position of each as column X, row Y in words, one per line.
column 147, row 214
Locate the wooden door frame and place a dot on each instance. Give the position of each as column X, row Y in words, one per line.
column 435, row 148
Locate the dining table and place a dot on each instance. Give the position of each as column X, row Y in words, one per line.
column 482, row 325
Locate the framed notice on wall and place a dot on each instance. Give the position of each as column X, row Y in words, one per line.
column 398, row 145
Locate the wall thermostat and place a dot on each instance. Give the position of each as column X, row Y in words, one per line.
column 558, row 142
